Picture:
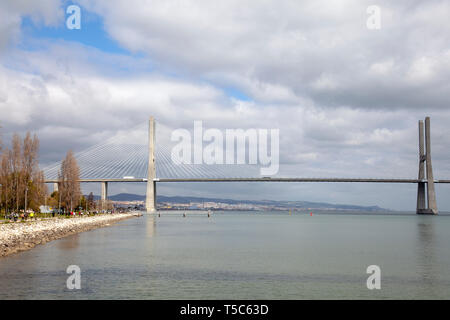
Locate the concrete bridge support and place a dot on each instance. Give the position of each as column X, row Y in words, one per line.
column 55, row 187
column 150, row 202
column 421, row 185
column 428, row 206
column 104, row 194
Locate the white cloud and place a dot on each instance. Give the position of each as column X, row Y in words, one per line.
column 47, row 12
column 307, row 49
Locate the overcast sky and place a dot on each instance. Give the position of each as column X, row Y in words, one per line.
column 345, row 98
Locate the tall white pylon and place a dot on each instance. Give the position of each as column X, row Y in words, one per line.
column 429, row 206
column 150, row 202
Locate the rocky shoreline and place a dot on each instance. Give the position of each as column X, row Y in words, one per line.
column 16, row 237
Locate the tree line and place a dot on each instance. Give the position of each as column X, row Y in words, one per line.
column 22, row 183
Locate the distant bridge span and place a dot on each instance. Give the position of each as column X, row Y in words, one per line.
column 362, row 180
column 426, row 196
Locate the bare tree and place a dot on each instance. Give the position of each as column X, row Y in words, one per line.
column 16, row 163
column 22, row 183
column 30, row 165
column 69, row 185
column 90, row 203
column 5, row 179
column 38, row 191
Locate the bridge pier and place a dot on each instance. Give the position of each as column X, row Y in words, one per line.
column 55, row 187
column 150, row 201
column 104, row 194
column 429, row 206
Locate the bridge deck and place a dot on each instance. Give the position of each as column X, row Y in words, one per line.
column 366, row 180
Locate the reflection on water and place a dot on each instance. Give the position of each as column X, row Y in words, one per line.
column 151, row 227
column 426, row 256
column 241, row 256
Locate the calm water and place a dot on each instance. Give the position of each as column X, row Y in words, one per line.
column 241, row 256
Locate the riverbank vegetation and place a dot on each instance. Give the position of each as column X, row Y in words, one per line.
column 23, row 191
column 22, row 182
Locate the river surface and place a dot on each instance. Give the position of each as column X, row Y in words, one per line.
column 237, row 255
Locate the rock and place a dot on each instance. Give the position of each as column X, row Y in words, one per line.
column 15, row 237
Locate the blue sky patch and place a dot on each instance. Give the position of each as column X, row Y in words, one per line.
column 237, row 94
column 92, row 32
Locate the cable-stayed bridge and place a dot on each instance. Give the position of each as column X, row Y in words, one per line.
column 126, row 155
column 134, row 156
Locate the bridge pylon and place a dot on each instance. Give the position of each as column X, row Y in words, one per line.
column 150, row 202
column 104, row 196
column 426, row 194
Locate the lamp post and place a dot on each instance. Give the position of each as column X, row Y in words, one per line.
column 59, row 201
column 26, row 198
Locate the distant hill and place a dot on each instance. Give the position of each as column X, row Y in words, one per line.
column 286, row 204
column 127, row 197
